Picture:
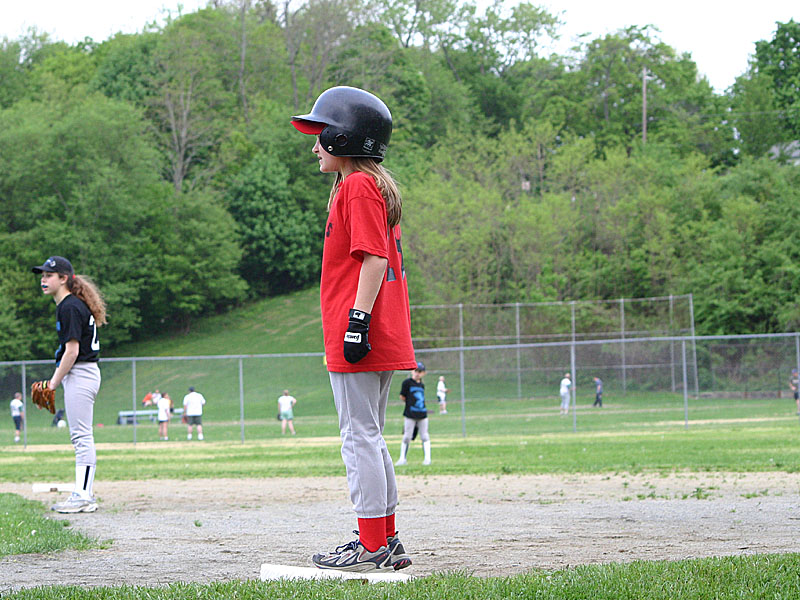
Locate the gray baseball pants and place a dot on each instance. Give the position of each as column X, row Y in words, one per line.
column 422, row 429
column 361, row 400
column 81, row 385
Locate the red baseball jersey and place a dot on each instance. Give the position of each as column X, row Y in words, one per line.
column 357, row 225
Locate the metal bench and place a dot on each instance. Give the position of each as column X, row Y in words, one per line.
column 128, row 417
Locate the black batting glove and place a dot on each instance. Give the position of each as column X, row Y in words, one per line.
column 356, row 345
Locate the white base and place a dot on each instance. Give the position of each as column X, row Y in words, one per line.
column 271, row 572
column 53, row 487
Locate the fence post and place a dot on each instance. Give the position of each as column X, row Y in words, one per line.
column 797, row 351
column 572, row 370
column 573, row 386
column 694, row 348
column 241, row 398
column 519, row 362
column 133, row 388
column 685, row 388
column 622, row 333
column 461, row 368
column 797, row 356
column 672, row 341
column 24, row 407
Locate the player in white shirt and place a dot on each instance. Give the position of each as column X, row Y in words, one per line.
column 164, row 405
column 193, row 411
column 285, row 412
column 566, row 384
column 441, row 395
column 18, row 414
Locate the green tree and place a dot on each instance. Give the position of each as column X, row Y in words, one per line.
column 681, row 108
column 190, row 106
column 127, row 67
column 281, row 242
column 191, row 265
column 12, row 73
column 743, row 264
column 779, row 58
column 754, row 114
column 482, row 48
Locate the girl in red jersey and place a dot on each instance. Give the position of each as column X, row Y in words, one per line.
column 365, row 312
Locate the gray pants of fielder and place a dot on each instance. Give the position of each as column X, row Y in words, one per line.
column 422, row 429
column 361, row 400
column 81, row 385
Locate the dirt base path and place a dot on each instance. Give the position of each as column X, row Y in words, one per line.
column 218, row 530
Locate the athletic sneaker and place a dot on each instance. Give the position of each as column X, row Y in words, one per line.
column 401, row 461
column 397, row 554
column 354, row 557
column 75, row 504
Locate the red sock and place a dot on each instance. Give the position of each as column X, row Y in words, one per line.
column 390, row 530
column 372, row 533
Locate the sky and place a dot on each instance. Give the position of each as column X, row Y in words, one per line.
column 719, row 36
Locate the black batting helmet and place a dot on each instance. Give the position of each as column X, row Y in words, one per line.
column 350, row 122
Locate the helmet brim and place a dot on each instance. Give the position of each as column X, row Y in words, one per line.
column 308, row 127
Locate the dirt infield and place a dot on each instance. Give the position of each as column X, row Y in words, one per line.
column 216, row 530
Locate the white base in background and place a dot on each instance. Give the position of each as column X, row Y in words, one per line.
column 52, row 487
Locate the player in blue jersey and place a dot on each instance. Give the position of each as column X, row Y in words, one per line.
column 412, row 392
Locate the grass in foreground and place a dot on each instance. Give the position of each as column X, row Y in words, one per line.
column 742, row 577
column 25, row 530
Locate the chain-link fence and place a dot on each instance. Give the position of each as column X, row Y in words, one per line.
column 670, row 377
column 519, row 323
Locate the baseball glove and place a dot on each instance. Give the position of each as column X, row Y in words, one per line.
column 43, row 396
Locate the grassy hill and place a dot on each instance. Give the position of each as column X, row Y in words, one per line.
column 290, row 323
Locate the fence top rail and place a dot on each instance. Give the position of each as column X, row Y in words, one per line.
column 629, row 341
column 553, row 302
column 626, row 341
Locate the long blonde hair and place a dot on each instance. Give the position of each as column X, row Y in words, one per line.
column 386, row 185
column 85, row 289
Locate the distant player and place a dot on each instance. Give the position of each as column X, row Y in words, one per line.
column 794, row 384
column 17, row 414
column 566, row 384
column 598, row 392
column 366, row 321
column 441, row 395
column 193, row 403
column 286, row 412
column 164, row 405
column 80, row 310
column 415, row 414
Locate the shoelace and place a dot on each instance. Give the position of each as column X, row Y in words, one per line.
column 349, row 545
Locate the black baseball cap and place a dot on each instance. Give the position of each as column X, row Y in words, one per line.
column 55, row 264
column 420, row 366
